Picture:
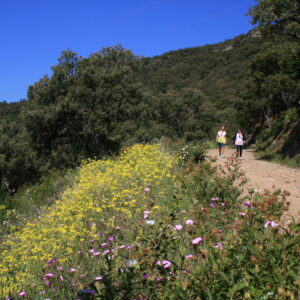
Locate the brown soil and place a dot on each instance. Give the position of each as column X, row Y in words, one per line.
column 263, row 175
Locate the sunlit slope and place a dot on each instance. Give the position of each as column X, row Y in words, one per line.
column 106, row 190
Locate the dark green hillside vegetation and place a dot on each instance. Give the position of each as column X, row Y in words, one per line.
column 91, row 107
column 271, row 97
column 217, row 70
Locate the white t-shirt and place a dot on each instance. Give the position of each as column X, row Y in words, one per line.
column 221, row 133
column 239, row 141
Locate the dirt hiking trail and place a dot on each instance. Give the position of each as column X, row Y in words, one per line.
column 263, row 175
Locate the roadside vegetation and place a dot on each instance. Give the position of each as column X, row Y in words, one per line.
column 155, row 223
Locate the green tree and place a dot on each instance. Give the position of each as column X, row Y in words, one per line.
column 277, row 16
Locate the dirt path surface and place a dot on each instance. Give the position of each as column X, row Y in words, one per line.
column 265, row 175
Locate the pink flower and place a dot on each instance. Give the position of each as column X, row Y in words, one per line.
column 61, row 278
column 272, row 223
column 48, row 275
column 247, row 203
column 98, row 278
column 106, row 251
column 96, row 253
column 91, row 250
column 147, row 189
column 189, row 222
column 110, row 238
column 197, row 240
column 59, row 268
column 72, row 270
column 166, row 264
column 215, row 199
column 189, row 256
column 118, row 227
column 52, row 261
column 212, row 205
column 219, row 245
column 177, row 227
column 104, row 244
column 146, row 216
column 22, row 294
column 242, row 214
column 223, row 204
column 122, row 247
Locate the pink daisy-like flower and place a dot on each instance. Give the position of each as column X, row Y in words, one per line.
column 189, row 256
column 122, row 247
column 271, row 223
column 219, row 245
column 22, row 294
column 110, row 238
column 242, row 214
column 104, row 244
column 247, row 204
column 61, row 278
column 96, row 253
column 147, row 189
column 48, row 275
column 72, row 270
column 59, row 268
column 106, row 251
column 166, row 264
column 212, row 205
column 98, row 278
column 215, row 199
column 197, row 240
column 189, row 222
column 223, row 204
column 177, row 227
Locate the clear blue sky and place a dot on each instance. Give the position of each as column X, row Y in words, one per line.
column 34, row 32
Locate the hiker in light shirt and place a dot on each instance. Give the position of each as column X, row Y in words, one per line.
column 239, row 140
column 221, row 140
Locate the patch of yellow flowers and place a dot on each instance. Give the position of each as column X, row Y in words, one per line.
column 105, row 189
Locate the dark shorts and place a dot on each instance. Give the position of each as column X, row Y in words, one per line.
column 221, row 145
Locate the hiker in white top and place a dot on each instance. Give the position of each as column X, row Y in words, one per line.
column 239, row 141
column 221, row 140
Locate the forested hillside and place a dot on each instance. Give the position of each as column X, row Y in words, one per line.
column 91, row 107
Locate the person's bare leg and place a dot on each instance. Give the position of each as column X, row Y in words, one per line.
column 223, row 150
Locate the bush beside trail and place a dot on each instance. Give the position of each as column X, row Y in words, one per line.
column 155, row 225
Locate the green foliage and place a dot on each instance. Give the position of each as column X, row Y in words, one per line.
column 277, row 16
column 90, row 107
column 30, row 201
column 243, row 253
